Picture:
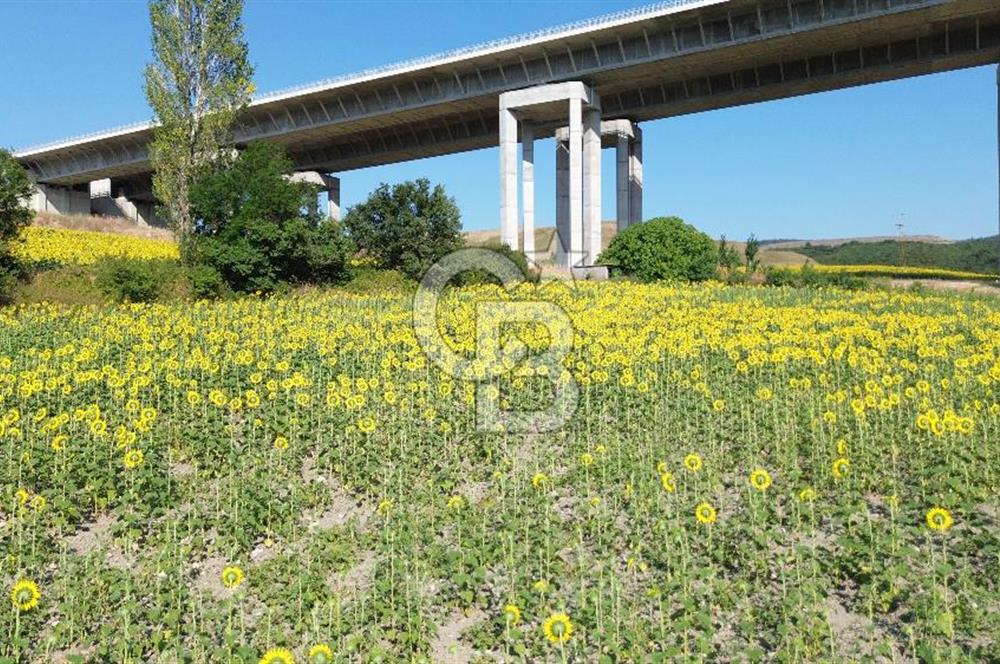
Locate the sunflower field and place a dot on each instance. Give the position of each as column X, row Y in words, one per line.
column 794, row 475
column 64, row 246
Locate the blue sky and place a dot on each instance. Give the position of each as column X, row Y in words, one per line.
column 836, row 164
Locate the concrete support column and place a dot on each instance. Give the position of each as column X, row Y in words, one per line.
column 333, row 199
column 623, row 182
column 563, row 233
column 575, row 181
column 508, row 178
column 635, row 177
column 528, row 188
column 592, row 186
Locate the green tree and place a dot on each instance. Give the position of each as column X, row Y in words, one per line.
column 751, row 250
column 662, row 248
column 406, row 227
column 259, row 230
column 728, row 258
column 198, row 81
column 15, row 190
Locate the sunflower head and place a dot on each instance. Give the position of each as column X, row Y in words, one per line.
column 278, row 656
column 939, row 519
column 25, row 595
column 132, row 459
column 760, row 479
column 232, row 576
column 667, row 482
column 807, row 495
column 705, row 513
column 558, row 628
column 321, row 653
column 511, row 614
column 841, row 467
column 693, row 462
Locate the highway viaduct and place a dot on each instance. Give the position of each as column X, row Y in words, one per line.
column 590, row 84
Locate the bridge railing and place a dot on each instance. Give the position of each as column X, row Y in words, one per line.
column 485, row 47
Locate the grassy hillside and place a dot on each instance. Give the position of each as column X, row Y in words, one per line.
column 976, row 255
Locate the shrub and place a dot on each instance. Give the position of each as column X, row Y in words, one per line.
column 663, row 248
column 406, row 227
column 12, row 271
column 259, row 230
column 206, row 282
column 517, row 257
column 15, row 189
column 136, row 279
column 808, row 276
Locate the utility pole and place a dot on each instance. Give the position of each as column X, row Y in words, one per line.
column 899, row 240
column 998, row 179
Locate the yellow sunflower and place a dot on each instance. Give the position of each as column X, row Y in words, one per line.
column 278, row 656
column 693, row 462
column 25, row 595
column 939, row 519
column 321, row 653
column 232, row 576
column 133, row 459
column 558, row 628
column 841, row 467
column 667, row 482
column 512, row 614
column 760, row 479
column 705, row 513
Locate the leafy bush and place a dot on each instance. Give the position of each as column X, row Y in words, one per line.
column 15, row 189
column 259, row 230
column 136, row 279
column 406, row 227
column 517, row 257
column 808, row 276
column 206, row 282
column 11, row 272
column 368, row 279
column 663, row 248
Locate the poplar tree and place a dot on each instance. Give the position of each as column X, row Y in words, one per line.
column 197, row 83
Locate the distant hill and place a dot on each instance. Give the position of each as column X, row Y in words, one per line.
column 976, row 255
column 833, row 242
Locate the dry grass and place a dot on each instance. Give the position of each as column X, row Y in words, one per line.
column 101, row 225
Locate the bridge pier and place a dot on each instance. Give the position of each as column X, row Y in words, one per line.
column 130, row 199
column 325, row 183
column 56, row 199
column 579, row 200
column 626, row 137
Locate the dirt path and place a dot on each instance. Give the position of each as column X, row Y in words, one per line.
column 978, row 287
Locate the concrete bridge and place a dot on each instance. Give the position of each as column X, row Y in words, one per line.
column 673, row 58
